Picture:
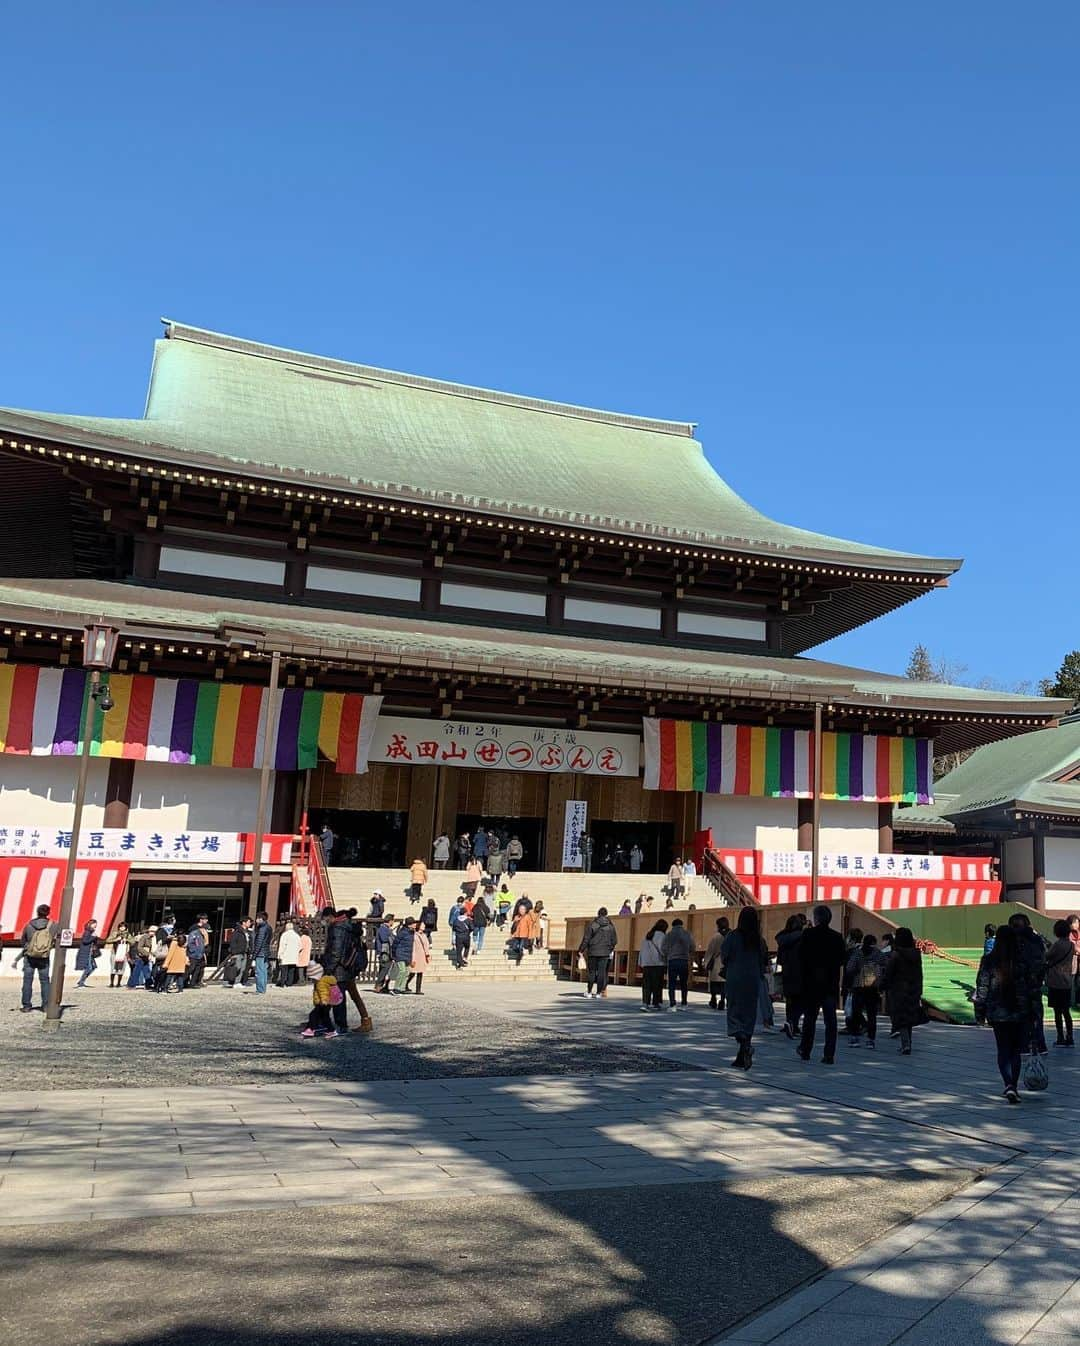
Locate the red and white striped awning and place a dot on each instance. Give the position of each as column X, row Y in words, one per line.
column 26, row 884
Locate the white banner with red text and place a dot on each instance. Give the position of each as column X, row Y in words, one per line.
column 175, row 846
column 503, row 747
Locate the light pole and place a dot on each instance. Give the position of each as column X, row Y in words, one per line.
column 99, row 650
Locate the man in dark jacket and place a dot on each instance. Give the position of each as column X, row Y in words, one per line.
column 239, row 951
column 822, row 955
column 384, row 938
column 38, row 941
column 462, row 927
column 401, row 952
column 598, row 944
column 788, row 943
column 261, row 940
column 1032, row 949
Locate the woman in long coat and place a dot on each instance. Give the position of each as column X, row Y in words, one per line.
column 421, row 957
column 86, row 958
column 745, row 958
column 902, row 983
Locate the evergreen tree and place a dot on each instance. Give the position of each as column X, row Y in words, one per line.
column 1067, row 682
column 920, row 668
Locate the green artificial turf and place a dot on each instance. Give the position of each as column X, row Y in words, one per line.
column 947, row 985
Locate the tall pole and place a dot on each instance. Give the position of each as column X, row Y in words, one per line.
column 67, row 897
column 815, row 827
column 269, row 720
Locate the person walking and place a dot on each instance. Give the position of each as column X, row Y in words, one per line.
column 863, row 973
column 327, row 840
column 421, row 958
column 714, row 964
column 440, row 851
column 1032, row 949
column 461, row 928
column 480, row 846
column 418, row 876
column 401, row 955
column 481, row 916
column 303, row 954
column 1005, row 991
column 327, row 1005
column 429, row 920
column 788, row 943
column 902, row 982
column 515, row 853
column 261, row 939
column 678, row 949
column 142, row 958
column 463, row 849
column 675, row 879
column 340, row 956
column 198, row 939
column 598, row 944
column 87, row 956
column 384, row 939
column 37, row 942
column 288, row 952
column 175, row 965
column 540, row 925
column 1061, row 961
column 822, row 955
column 652, row 963
column 745, row 958
column 118, row 947
column 239, row 951
column 474, row 873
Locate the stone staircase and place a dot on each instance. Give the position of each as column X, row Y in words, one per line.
column 563, row 895
column 491, row 964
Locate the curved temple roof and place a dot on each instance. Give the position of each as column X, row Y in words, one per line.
column 221, row 402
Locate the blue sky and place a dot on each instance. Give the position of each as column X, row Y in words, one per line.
column 840, row 236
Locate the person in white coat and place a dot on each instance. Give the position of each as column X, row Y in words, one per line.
column 288, row 954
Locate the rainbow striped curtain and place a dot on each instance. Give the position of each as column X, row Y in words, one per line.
column 736, row 759
column 43, row 713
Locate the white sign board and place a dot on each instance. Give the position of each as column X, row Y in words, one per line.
column 116, row 843
column 503, row 747
column 798, row 863
column 574, row 832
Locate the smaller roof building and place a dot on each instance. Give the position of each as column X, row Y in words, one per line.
column 1025, row 792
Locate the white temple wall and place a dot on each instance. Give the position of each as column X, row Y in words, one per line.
column 848, row 827
column 747, row 824
column 40, row 791
column 200, row 798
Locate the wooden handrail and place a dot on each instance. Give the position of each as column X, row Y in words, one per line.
column 724, row 882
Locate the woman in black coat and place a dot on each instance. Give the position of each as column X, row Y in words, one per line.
column 89, row 947
column 903, row 984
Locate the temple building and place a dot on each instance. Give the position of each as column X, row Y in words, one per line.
column 1019, row 799
column 422, row 606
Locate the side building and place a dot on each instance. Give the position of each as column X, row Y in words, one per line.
column 483, row 608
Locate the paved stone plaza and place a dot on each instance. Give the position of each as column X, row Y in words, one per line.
column 839, row 1179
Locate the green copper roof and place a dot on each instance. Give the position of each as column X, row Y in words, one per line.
column 1016, row 773
column 221, row 402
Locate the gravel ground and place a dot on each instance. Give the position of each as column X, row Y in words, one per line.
column 624, row 1266
column 215, row 1036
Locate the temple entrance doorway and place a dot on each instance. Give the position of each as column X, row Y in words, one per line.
column 372, row 839
column 529, row 831
column 613, row 842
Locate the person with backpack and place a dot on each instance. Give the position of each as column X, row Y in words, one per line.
column 197, row 939
column 142, row 948
column 1006, row 989
column 384, row 938
column 651, row 962
column 863, row 973
column 38, row 942
column 461, row 927
column 327, row 999
column 86, row 958
column 597, row 945
column 429, row 920
column 481, row 917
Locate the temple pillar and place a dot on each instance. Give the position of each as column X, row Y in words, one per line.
column 805, row 824
column 560, row 789
column 421, row 830
column 118, row 787
column 1038, row 869
column 446, row 804
column 284, row 815
column 884, row 829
